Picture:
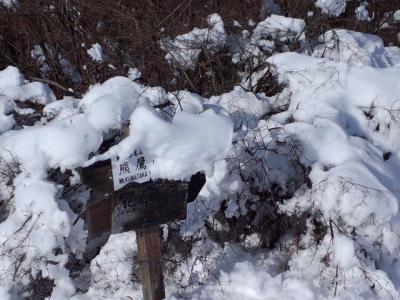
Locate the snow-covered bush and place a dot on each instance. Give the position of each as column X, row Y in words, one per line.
column 294, row 121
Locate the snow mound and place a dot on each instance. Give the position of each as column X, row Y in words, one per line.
column 331, row 7
column 111, row 270
column 186, row 101
column 396, row 16
column 362, row 13
column 255, row 47
column 13, row 87
column 11, row 77
column 61, row 109
column 357, row 49
column 189, row 142
column 281, row 28
column 172, row 144
column 183, row 51
column 34, row 91
column 64, row 143
column 249, row 281
column 340, row 118
column 107, row 105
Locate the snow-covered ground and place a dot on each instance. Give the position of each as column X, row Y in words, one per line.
column 329, row 142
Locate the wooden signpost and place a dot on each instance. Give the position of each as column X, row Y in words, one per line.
column 125, row 198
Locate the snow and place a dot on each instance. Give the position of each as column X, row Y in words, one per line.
column 241, row 105
column 249, row 281
column 64, row 144
column 183, row 51
column 357, row 49
column 13, row 86
column 62, row 108
column 281, row 28
column 6, row 120
column 186, row 101
column 258, row 45
column 67, row 142
column 396, row 16
column 344, row 252
column 73, row 132
column 255, row 46
column 9, row 3
column 113, row 268
column 22, row 233
column 335, row 123
column 96, row 52
column 107, row 105
column 173, row 143
column 240, row 101
column 134, row 73
column 349, row 177
column 362, row 13
column 11, row 77
column 33, row 91
column 38, row 55
column 331, row 7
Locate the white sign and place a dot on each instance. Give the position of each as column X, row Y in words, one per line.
column 135, row 168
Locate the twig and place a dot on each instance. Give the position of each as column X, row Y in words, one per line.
column 51, row 82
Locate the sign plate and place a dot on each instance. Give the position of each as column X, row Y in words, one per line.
column 134, row 205
column 138, row 205
column 135, row 168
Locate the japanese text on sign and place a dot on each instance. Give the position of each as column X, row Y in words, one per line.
column 135, row 168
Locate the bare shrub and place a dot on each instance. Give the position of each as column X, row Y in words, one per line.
column 49, row 39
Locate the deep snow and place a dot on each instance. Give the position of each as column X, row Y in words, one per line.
column 341, row 120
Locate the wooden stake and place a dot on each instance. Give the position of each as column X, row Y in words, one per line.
column 149, row 252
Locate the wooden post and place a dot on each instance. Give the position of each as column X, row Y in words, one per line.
column 149, row 253
column 137, row 206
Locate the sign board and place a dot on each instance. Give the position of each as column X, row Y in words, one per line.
column 134, row 168
column 125, row 198
column 139, row 205
column 135, row 204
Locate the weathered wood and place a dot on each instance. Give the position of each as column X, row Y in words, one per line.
column 98, row 215
column 98, row 177
column 139, row 205
column 98, row 222
column 149, row 254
